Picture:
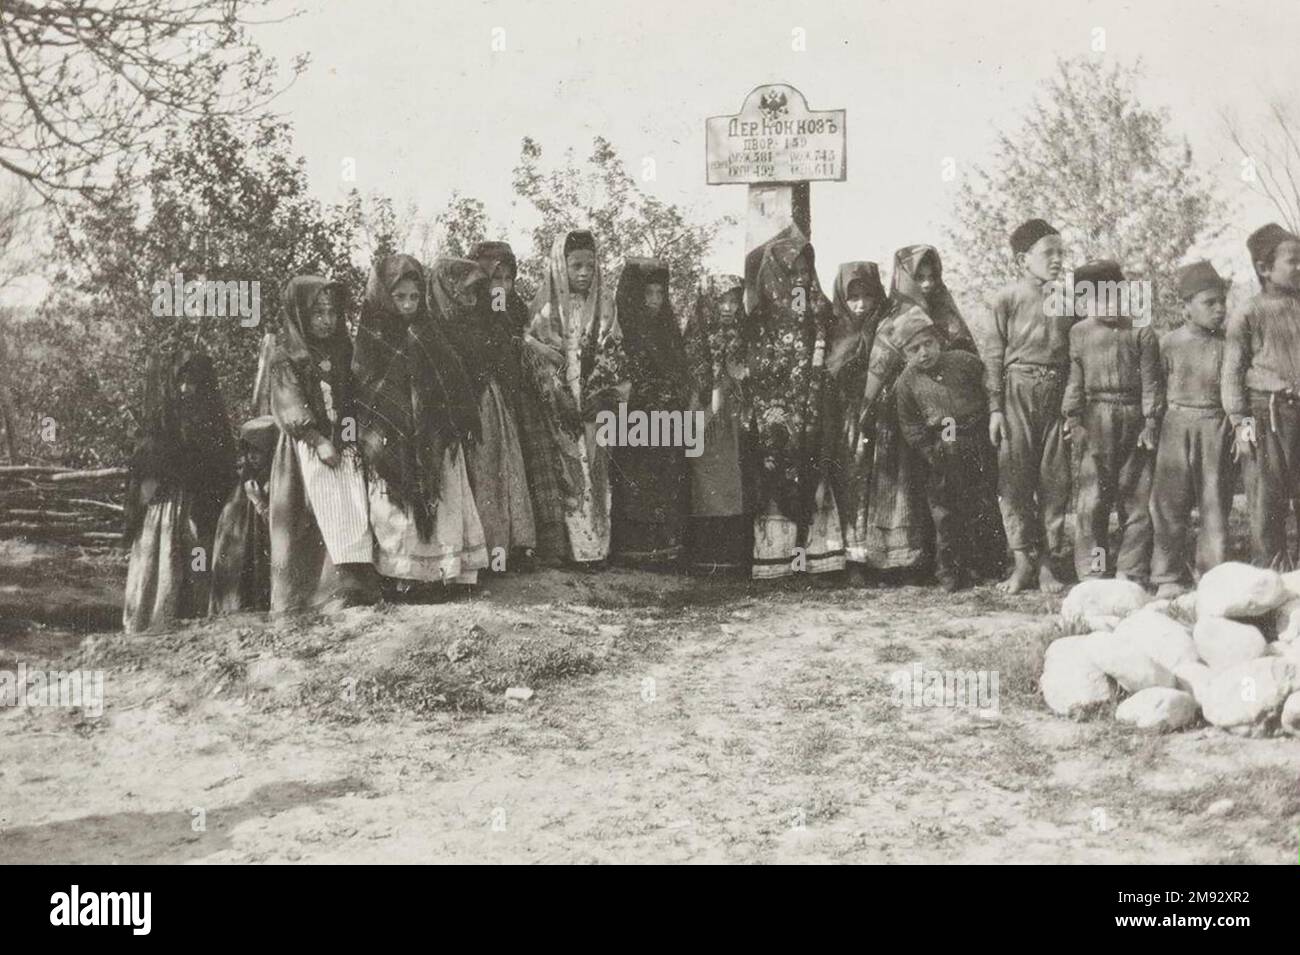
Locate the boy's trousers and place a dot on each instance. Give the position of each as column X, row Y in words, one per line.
column 1193, row 469
column 1114, row 474
column 1271, row 475
column 961, row 489
column 1034, row 461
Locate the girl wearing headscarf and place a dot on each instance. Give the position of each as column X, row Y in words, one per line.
column 465, row 301
column 182, row 466
column 797, row 524
column 720, row 530
column 899, row 533
column 322, row 550
column 417, row 412
column 241, row 552
column 649, row 483
column 573, row 363
column 498, row 262
column 859, row 303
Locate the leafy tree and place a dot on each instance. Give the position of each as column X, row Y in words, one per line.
column 224, row 201
column 1101, row 167
column 627, row 221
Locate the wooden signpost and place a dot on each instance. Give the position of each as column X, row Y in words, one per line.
column 777, row 146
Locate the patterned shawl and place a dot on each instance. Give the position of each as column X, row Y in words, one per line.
column 184, row 441
column 314, row 362
column 711, row 344
column 414, row 399
column 887, row 361
column 787, row 373
column 656, row 355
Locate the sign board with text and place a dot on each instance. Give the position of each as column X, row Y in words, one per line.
column 775, row 138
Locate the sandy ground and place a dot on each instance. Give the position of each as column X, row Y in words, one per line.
column 673, row 720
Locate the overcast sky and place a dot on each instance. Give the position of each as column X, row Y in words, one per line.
column 414, row 92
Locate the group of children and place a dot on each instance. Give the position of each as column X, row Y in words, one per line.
column 870, row 431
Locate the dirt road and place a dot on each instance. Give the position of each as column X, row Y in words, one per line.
column 672, row 720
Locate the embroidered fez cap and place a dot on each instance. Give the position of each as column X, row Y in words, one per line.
column 1027, row 233
column 1197, row 277
column 1098, row 270
column 260, row 433
column 910, row 324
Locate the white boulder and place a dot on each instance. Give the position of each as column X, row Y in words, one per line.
column 1159, row 636
column 1158, row 708
column 1234, row 589
column 1222, row 643
column 1071, row 683
column 1194, row 678
column 1092, row 601
column 1286, row 621
column 1291, row 715
column 1246, row 697
column 1126, row 662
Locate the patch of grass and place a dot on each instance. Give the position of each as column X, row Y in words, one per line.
column 1016, row 657
column 894, row 653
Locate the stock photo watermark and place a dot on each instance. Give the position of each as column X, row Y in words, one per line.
column 208, row 298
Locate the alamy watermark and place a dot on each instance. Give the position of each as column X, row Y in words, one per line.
column 51, row 688
column 966, row 689
column 208, row 298
column 651, row 429
column 1132, row 298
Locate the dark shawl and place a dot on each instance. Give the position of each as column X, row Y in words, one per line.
column 490, row 255
column 414, row 399
column 482, row 337
column 184, row 441
column 656, row 354
column 309, row 361
column 851, row 336
column 709, row 342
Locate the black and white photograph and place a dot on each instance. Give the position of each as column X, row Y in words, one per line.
column 519, row 432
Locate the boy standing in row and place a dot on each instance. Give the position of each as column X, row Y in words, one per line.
column 1026, row 354
column 1261, row 392
column 1194, row 458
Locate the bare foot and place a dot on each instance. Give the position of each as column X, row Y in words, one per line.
column 1048, row 582
column 1022, row 575
column 1170, row 591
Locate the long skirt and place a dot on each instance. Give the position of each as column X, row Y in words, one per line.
column 456, row 550
column 900, row 533
column 719, row 533
column 500, row 486
column 649, row 504
column 318, row 520
column 853, row 484
column 241, row 557
column 780, row 550
column 163, row 583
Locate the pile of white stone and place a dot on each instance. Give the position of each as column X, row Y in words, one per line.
column 1228, row 653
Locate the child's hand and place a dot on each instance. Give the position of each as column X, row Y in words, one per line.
column 1149, row 436
column 1243, row 443
column 1072, row 428
column 327, row 453
column 998, row 429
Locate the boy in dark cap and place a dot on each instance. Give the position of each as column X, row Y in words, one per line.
column 1112, row 407
column 1026, row 354
column 943, row 415
column 1194, row 458
column 1261, row 392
